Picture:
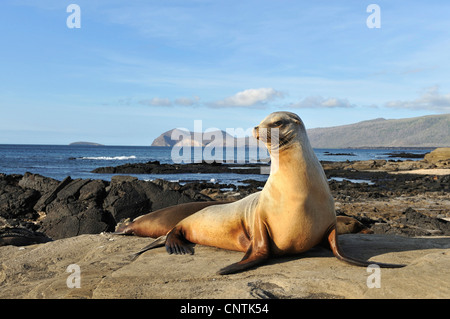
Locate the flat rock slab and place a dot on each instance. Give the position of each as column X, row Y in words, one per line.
column 106, row 271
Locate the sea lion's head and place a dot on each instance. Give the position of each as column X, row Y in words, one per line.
column 279, row 129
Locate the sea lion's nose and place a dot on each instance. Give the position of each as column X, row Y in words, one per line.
column 255, row 132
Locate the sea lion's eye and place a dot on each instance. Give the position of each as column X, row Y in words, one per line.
column 278, row 123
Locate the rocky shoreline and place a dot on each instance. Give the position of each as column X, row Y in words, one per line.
column 155, row 167
column 387, row 203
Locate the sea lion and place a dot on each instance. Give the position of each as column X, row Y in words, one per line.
column 350, row 225
column 161, row 221
column 293, row 213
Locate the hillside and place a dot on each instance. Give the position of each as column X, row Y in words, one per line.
column 424, row 131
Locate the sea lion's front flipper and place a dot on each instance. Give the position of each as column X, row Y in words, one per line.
column 257, row 253
column 177, row 244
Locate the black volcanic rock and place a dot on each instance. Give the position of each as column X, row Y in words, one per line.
column 77, row 209
column 405, row 155
column 129, row 197
column 126, row 200
column 15, row 201
column 155, row 167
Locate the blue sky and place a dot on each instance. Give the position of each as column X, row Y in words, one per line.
column 135, row 69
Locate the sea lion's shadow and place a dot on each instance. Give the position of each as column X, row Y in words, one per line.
column 368, row 246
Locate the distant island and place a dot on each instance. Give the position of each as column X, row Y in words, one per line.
column 421, row 132
column 85, row 144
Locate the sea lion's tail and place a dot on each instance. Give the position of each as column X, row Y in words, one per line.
column 158, row 242
column 337, row 252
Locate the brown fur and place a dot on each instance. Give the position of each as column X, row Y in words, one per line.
column 161, row 221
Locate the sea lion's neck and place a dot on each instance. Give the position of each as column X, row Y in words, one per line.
column 297, row 162
column 284, row 158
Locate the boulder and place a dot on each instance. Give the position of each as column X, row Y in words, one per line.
column 72, row 191
column 38, row 182
column 50, row 196
column 439, row 157
column 77, row 209
column 93, row 191
column 126, row 199
column 15, row 201
column 130, row 198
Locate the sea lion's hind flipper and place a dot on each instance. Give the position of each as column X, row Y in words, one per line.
column 257, row 253
column 337, row 252
column 249, row 261
column 158, row 242
column 177, row 244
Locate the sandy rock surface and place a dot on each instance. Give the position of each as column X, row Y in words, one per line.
column 40, row 271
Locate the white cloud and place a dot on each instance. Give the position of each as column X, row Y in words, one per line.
column 321, row 102
column 187, row 101
column 248, row 98
column 156, row 101
column 431, row 99
column 182, row 101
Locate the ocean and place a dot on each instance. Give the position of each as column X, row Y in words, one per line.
column 77, row 161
